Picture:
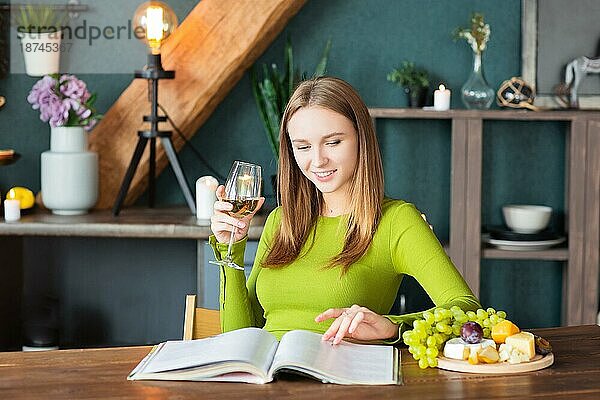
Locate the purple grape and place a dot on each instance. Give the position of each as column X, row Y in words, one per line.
column 471, row 332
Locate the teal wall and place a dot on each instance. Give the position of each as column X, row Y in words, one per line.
column 523, row 162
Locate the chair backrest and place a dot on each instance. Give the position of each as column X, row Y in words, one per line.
column 199, row 322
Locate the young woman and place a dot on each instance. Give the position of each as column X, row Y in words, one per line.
column 333, row 254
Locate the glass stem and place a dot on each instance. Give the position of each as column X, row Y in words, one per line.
column 231, row 240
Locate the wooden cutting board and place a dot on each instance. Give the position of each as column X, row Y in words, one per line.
column 538, row 362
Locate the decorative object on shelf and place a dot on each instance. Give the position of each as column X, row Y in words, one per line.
column 273, row 90
column 441, row 98
column 40, row 29
column 206, row 187
column 525, row 218
column 414, row 81
column 25, row 197
column 69, row 172
column 12, row 210
column 516, row 93
column 522, row 245
column 476, row 93
column 575, row 71
column 158, row 21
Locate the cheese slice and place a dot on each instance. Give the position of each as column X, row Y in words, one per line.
column 524, row 342
column 458, row 349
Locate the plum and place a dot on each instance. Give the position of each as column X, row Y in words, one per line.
column 471, row 332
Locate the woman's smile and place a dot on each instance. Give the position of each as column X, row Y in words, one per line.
column 325, row 176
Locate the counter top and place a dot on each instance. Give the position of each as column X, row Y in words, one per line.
column 164, row 223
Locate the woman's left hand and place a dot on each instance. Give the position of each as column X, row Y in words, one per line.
column 358, row 323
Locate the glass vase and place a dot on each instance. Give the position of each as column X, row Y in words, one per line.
column 476, row 93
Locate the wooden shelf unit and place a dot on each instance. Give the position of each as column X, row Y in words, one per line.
column 582, row 257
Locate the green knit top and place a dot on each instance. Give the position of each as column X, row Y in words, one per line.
column 287, row 298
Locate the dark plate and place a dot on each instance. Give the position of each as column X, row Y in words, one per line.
column 501, row 233
column 8, row 161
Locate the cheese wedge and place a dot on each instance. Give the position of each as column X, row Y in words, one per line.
column 524, row 342
column 458, row 349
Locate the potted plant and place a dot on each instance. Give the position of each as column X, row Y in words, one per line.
column 273, row 90
column 69, row 172
column 413, row 80
column 40, row 29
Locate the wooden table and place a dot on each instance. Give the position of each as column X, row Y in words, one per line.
column 101, row 374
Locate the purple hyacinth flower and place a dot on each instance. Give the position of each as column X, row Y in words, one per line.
column 72, row 87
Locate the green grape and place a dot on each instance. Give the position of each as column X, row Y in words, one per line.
column 486, row 323
column 501, row 314
column 433, row 362
column 494, row 319
column 462, row 319
column 471, row 315
column 423, row 363
column 438, row 315
column 490, row 310
column 456, row 330
column 481, row 314
column 441, row 327
column 411, row 350
column 439, row 338
column 431, row 352
column 487, row 333
column 456, row 309
column 428, row 317
column 431, row 342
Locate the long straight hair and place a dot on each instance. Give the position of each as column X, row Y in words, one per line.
column 301, row 202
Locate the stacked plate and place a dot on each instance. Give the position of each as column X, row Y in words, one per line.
column 509, row 240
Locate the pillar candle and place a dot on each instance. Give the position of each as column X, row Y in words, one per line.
column 206, row 187
column 12, row 210
column 441, row 99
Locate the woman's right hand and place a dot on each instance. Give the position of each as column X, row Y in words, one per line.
column 221, row 223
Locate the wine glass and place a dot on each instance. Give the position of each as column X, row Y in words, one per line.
column 242, row 190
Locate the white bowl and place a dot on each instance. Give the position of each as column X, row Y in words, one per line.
column 526, row 218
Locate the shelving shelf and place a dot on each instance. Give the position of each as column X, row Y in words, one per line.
column 557, row 254
column 582, row 256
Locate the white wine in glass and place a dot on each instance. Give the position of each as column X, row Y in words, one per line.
column 242, row 190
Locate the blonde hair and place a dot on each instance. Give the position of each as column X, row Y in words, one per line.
column 301, row 202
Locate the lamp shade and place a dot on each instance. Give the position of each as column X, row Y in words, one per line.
column 153, row 22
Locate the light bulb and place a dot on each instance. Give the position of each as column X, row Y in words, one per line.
column 153, row 22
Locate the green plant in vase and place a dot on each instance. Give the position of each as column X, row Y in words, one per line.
column 413, row 80
column 40, row 29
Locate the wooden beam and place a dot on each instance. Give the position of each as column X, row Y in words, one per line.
column 210, row 51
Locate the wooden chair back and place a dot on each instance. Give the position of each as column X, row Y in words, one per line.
column 199, row 322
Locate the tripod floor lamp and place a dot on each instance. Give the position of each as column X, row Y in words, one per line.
column 157, row 21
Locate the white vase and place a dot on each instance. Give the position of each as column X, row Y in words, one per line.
column 69, row 172
column 41, row 52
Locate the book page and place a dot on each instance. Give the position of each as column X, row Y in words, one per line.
column 251, row 345
column 342, row 363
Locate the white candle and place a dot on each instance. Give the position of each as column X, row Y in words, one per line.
column 12, row 210
column 206, row 188
column 441, row 99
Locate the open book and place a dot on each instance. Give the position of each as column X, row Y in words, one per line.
column 253, row 355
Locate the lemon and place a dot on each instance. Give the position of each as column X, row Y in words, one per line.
column 24, row 195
